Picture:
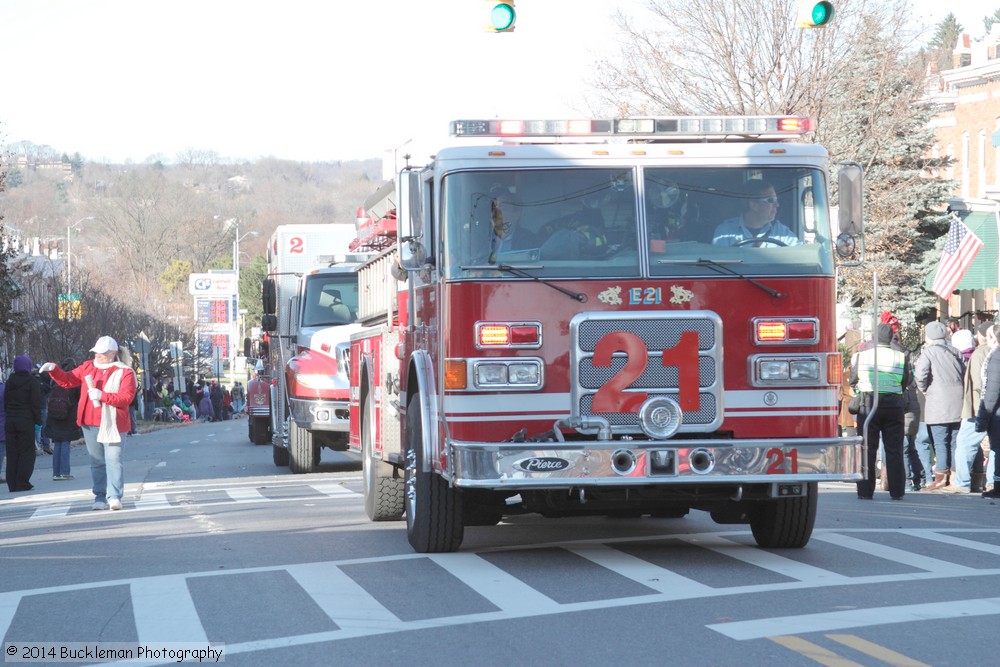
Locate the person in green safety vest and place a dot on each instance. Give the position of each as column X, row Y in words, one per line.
column 894, row 374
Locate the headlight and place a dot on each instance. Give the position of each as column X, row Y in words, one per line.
column 774, row 370
column 491, row 374
column 523, row 373
column 801, row 370
column 804, row 369
column 508, row 374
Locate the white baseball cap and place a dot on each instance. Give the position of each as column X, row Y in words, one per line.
column 105, row 344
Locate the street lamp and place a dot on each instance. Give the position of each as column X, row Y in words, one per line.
column 69, row 263
column 236, row 267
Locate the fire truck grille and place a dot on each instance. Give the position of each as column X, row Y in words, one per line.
column 705, row 415
column 655, row 376
column 658, row 332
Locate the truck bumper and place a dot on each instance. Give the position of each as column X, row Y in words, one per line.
column 314, row 415
column 569, row 464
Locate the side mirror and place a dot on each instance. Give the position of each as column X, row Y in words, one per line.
column 269, row 294
column 850, row 211
column 411, row 221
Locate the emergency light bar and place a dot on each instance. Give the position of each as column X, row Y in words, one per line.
column 662, row 127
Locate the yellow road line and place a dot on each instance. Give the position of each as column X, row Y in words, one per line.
column 887, row 656
column 814, row 652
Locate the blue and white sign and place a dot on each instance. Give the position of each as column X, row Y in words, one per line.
column 212, row 284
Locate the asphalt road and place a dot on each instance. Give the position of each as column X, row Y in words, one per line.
column 216, row 546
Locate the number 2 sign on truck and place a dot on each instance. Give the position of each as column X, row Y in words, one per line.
column 615, row 317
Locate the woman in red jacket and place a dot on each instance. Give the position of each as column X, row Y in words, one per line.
column 107, row 388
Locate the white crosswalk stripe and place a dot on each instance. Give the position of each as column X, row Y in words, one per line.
column 165, row 609
column 163, row 497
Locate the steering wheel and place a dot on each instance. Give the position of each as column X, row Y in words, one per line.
column 761, row 239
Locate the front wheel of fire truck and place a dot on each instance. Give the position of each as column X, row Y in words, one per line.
column 302, row 451
column 383, row 487
column 786, row 523
column 433, row 508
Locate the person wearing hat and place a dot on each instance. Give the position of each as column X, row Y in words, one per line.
column 940, row 373
column 60, row 423
column 968, row 439
column 22, row 406
column 887, row 422
column 107, row 388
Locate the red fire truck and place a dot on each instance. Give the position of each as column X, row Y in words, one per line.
column 309, row 298
column 619, row 317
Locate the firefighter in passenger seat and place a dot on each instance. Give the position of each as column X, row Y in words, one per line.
column 579, row 235
column 664, row 213
column 342, row 313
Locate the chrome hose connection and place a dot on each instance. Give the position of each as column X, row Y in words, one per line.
column 701, row 460
column 623, row 461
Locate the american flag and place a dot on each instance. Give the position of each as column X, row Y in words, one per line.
column 960, row 248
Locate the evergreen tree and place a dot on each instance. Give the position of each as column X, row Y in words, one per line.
column 12, row 321
column 858, row 77
column 990, row 20
column 944, row 41
column 947, row 32
column 877, row 116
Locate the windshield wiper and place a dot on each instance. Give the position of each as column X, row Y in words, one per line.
column 520, row 272
column 720, row 267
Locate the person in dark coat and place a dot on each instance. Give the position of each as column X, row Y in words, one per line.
column 216, row 395
column 61, row 423
column 205, row 409
column 22, row 404
column 3, row 431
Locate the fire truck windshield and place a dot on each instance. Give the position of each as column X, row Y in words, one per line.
column 637, row 221
column 330, row 299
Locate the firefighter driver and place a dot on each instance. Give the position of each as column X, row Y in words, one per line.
column 758, row 225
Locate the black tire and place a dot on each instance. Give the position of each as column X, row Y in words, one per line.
column 786, row 523
column 433, row 508
column 383, row 488
column 260, row 431
column 280, row 456
column 302, row 452
column 269, row 296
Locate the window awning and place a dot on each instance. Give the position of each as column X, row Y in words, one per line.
column 983, row 272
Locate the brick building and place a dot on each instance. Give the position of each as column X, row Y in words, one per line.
column 966, row 101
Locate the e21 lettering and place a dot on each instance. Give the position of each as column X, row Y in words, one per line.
column 645, row 296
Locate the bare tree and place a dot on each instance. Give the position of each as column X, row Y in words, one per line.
column 860, row 77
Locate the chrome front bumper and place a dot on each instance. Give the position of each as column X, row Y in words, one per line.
column 553, row 465
column 315, row 415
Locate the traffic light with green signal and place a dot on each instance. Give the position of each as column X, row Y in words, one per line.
column 815, row 13
column 502, row 16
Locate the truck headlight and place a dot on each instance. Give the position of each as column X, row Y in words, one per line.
column 804, row 369
column 508, row 374
column 774, row 370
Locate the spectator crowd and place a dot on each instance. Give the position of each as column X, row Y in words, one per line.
column 930, row 415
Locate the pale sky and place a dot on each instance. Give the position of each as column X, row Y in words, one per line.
column 309, row 80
